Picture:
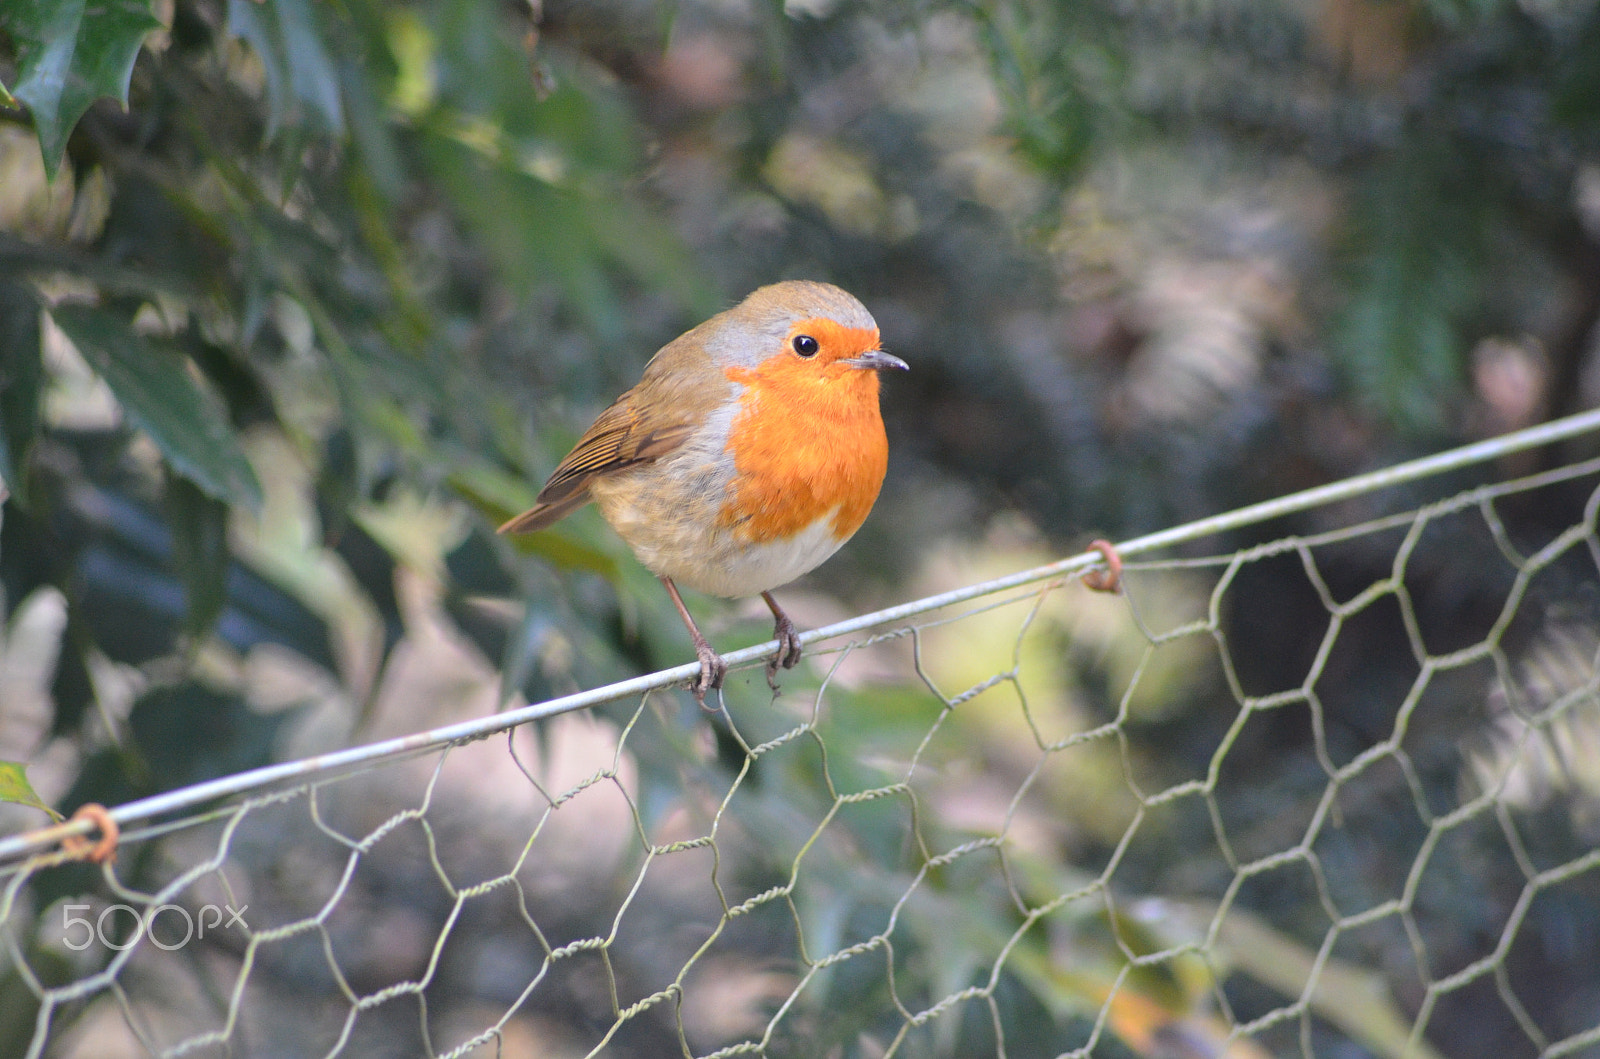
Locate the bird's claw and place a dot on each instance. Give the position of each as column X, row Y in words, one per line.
column 788, row 653
column 712, row 670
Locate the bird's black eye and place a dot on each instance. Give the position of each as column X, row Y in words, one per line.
column 805, row 345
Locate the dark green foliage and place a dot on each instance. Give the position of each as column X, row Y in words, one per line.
column 21, row 376
column 244, row 253
column 155, row 388
column 69, row 54
column 188, row 733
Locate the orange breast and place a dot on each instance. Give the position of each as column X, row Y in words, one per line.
column 806, row 442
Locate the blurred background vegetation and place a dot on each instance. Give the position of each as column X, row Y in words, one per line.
column 288, row 333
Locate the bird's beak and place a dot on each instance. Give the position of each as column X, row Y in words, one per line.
column 877, row 359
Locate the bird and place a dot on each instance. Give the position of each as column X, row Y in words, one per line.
column 749, row 451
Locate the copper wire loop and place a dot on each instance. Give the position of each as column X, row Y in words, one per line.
column 105, row 848
column 1109, row 579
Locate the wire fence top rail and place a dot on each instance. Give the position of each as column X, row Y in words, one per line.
column 326, row 766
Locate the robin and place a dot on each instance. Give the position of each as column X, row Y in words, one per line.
column 751, row 450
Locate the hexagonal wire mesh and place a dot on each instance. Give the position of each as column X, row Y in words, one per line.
column 1333, row 793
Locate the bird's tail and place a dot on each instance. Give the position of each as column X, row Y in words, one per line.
column 541, row 515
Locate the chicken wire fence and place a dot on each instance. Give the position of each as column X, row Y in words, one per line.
column 1322, row 779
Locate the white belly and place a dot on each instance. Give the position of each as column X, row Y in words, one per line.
column 741, row 568
column 714, row 560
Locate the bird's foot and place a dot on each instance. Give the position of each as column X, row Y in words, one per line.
column 712, row 670
column 712, row 667
column 788, row 637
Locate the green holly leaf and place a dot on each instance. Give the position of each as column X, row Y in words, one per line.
column 69, row 54
column 161, row 396
column 14, row 787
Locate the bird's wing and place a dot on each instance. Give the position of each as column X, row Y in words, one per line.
column 621, row 438
column 644, row 424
